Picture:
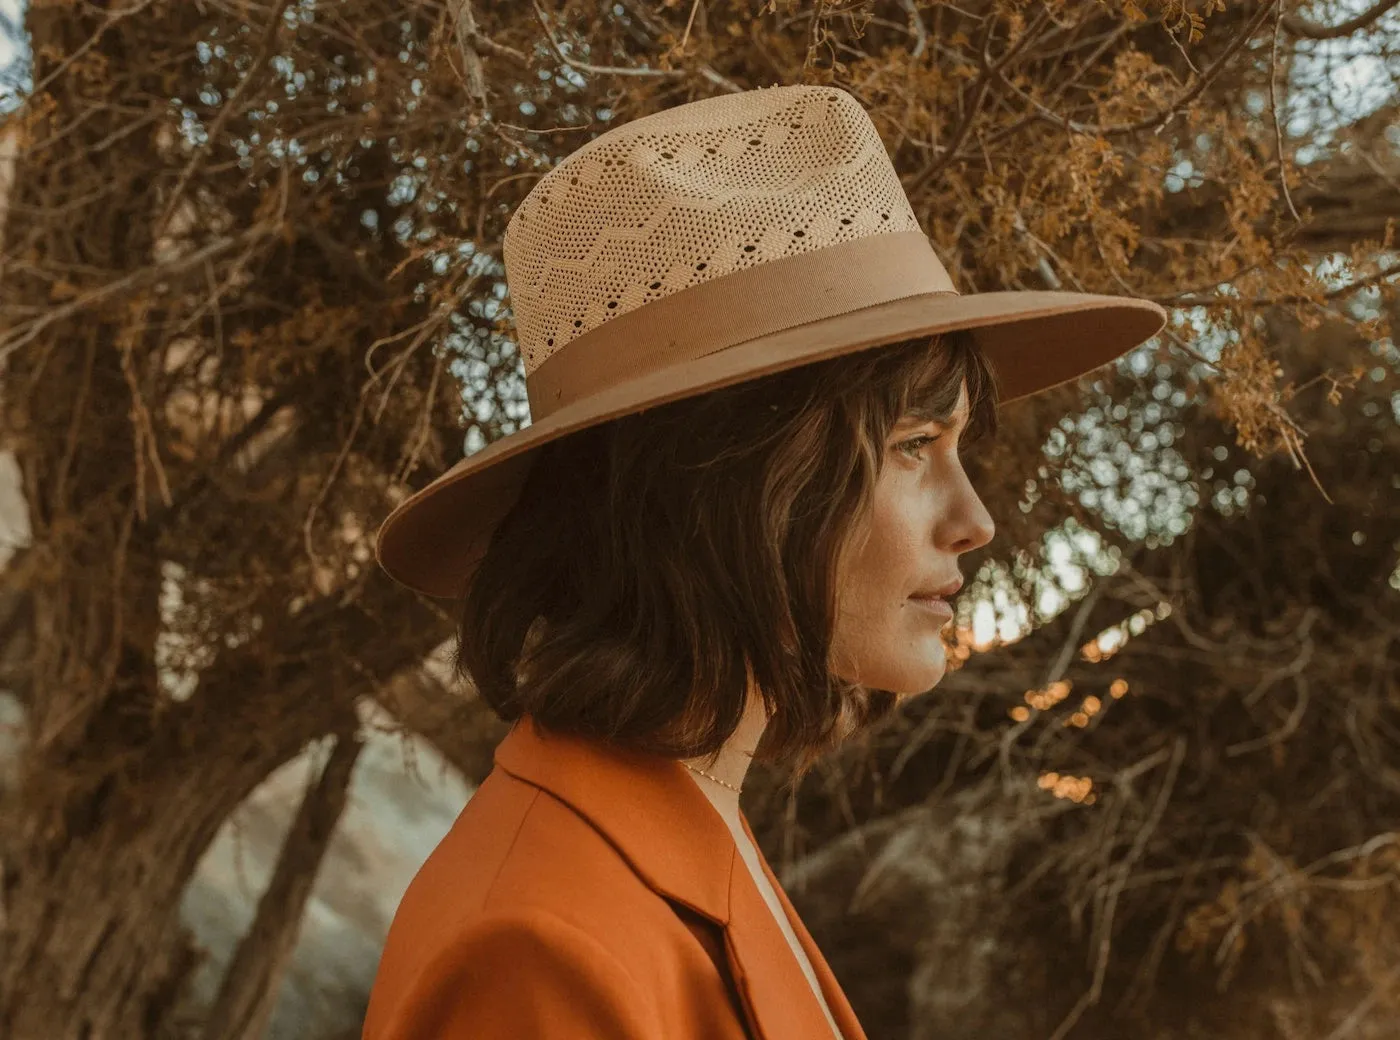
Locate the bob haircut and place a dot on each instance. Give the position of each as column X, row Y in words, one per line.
column 655, row 564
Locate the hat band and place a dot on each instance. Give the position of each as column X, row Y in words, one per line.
column 735, row 308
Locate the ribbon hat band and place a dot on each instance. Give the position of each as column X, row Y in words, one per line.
column 743, row 305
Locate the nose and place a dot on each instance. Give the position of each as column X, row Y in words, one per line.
column 967, row 525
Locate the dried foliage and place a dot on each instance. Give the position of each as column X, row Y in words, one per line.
column 252, row 297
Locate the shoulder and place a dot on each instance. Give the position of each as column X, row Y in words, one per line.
column 513, row 844
column 524, row 897
column 530, row 849
column 519, row 971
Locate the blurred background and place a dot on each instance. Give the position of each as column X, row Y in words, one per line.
column 251, row 296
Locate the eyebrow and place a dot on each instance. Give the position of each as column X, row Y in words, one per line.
column 924, row 414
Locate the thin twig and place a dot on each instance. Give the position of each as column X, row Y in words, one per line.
column 1278, row 301
column 1358, row 1014
column 134, row 280
column 1104, row 926
column 685, row 36
column 216, row 129
column 916, row 26
column 1161, row 118
column 601, row 70
column 990, row 71
column 1278, row 128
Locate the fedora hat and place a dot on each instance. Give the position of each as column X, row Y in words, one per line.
column 712, row 243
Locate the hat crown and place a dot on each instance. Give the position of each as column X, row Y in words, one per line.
column 692, row 193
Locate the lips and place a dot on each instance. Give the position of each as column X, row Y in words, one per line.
column 939, row 608
column 935, row 599
column 941, row 592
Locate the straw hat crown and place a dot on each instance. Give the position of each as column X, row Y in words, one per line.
column 689, row 194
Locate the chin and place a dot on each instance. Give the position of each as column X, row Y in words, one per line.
column 909, row 678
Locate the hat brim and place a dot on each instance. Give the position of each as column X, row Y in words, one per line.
column 432, row 541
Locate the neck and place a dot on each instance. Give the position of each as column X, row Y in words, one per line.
column 731, row 764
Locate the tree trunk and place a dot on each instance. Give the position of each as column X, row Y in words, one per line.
column 122, row 787
column 94, row 946
column 110, row 881
column 249, row 991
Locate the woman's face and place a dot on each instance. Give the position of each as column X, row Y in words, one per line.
column 924, row 515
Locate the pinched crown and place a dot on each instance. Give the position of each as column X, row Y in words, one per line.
column 691, row 193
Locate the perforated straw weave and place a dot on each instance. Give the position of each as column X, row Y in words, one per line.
column 689, row 194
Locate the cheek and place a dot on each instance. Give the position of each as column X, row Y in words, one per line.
column 882, row 641
column 898, row 546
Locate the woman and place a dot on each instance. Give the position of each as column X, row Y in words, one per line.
column 729, row 533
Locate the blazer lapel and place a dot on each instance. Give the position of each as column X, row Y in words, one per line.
column 677, row 843
column 841, row 1009
column 779, row 999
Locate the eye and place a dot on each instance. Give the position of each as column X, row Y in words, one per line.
column 914, row 445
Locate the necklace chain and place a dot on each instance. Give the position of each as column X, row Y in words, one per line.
column 707, row 776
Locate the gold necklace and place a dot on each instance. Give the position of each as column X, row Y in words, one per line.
column 716, row 779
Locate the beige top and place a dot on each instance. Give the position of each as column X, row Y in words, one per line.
column 751, row 860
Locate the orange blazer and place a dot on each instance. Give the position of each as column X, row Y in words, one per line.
column 586, row 891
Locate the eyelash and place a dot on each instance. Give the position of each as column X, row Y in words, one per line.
column 920, row 440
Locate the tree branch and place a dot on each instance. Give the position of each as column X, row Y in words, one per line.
column 1312, row 31
column 1276, row 301
column 1166, row 115
column 250, row 987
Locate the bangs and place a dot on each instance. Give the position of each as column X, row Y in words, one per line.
column 939, row 367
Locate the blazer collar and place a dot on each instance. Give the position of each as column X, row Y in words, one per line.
column 645, row 805
column 649, row 808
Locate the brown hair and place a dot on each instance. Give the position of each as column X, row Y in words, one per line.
column 653, row 563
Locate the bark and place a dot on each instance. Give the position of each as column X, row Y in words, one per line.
column 93, row 943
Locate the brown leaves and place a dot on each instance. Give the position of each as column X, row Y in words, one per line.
column 1246, row 395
